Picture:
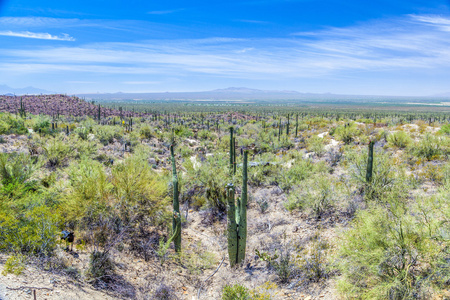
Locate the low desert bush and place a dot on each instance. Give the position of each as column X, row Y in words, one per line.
column 394, row 252
column 300, row 170
column 399, row 139
column 235, row 292
column 316, row 144
column 345, row 133
column 316, row 195
column 430, row 147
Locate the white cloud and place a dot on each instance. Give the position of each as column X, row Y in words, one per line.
column 401, row 44
column 37, row 35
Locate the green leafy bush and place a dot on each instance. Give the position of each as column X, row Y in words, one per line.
column 235, row 292
column 107, row 134
column 445, row 129
column 392, row 253
column 16, row 168
column 345, row 133
column 34, row 232
column 399, row 139
column 317, row 195
column 300, row 170
column 58, row 152
column 430, row 147
column 316, row 144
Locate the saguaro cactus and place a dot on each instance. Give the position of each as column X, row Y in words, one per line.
column 231, row 151
column 176, row 221
column 237, row 220
column 370, row 163
column 287, row 127
column 232, row 226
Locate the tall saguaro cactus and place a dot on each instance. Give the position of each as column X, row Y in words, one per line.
column 237, row 220
column 176, row 221
column 231, row 152
column 370, row 163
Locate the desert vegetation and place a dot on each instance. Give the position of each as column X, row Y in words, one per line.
column 248, row 202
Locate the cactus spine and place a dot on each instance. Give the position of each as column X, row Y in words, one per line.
column 237, row 220
column 370, row 163
column 176, row 222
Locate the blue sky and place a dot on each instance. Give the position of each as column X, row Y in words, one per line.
column 318, row 46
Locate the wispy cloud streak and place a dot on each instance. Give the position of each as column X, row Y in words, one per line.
column 37, row 35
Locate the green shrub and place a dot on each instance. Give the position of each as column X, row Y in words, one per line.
column 316, row 144
column 16, row 168
column 146, row 131
column 12, row 124
column 100, row 265
column 15, row 264
column 399, row 139
column 58, row 152
column 445, row 129
column 299, row 171
column 345, row 133
column 35, row 231
column 210, row 180
column 107, row 134
column 317, row 195
column 235, row 292
column 430, row 147
column 385, row 177
column 42, row 122
column 392, row 253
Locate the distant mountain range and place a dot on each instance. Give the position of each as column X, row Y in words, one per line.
column 226, row 94
column 29, row 90
column 243, row 94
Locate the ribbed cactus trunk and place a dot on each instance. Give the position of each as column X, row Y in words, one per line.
column 237, row 220
column 234, row 156
column 176, row 222
column 287, row 127
column 370, row 163
column 231, row 152
column 296, row 125
column 279, row 130
column 242, row 230
column 232, row 226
